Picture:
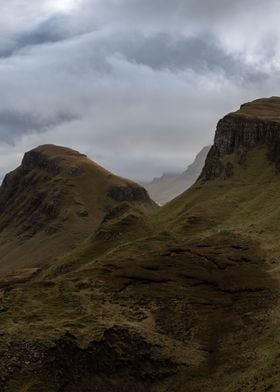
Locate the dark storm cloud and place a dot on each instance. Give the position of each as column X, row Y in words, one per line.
column 47, row 32
column 14, row 124
column 176, row 13
column 159, row 51
column 200, row 53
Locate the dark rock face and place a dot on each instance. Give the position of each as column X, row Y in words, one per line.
column 110, row 358
column 234, row 132
column 38, row 159
column 102, row 366
column 213, row 166
column 127, row 193
column 239, row 132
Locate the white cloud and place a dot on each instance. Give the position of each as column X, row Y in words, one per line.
column 63, row 5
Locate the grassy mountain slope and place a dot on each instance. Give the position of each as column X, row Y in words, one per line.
column 183, row 300
column 247, row 202
column 239, row 186
column 53, row 201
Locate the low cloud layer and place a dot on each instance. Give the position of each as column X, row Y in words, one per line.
column 137, row 85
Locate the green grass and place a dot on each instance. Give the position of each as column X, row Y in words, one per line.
column 248, row 202
column 113, row 278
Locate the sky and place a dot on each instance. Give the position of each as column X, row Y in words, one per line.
column 138, row 85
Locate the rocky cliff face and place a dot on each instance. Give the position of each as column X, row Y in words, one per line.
column 54, row 159
column 256, row 123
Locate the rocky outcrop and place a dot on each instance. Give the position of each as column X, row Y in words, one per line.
column 255, row 123
column 101, row 366
column 128, row 193
column 54, row 159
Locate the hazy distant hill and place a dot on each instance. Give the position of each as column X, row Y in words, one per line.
column 169, row 186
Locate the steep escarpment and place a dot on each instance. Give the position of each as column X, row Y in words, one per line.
column 254, row 124
column 53, row 201
column 240, row 182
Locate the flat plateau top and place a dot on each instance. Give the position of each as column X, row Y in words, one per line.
column 264, row 109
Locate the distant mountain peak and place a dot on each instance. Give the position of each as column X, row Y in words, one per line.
column 170, row 185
